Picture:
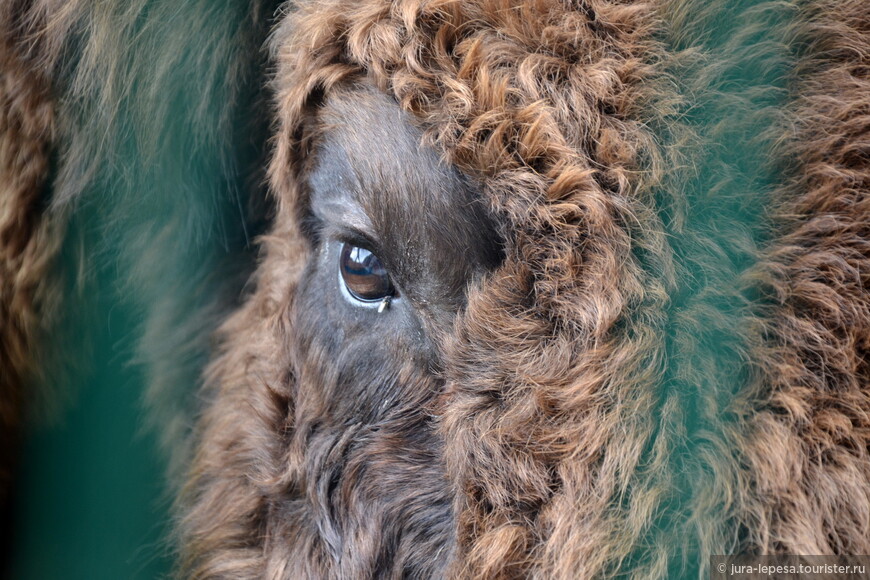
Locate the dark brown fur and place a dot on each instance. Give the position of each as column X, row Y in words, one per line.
column 28, row 243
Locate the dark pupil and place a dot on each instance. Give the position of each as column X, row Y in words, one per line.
column 363, row 274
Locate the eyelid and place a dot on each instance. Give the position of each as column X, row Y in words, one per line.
column 356, row 237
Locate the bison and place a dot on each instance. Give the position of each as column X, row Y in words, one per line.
column 460, row 288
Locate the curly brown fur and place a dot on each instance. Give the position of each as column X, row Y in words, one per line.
column 474, row 74
column 648, row 377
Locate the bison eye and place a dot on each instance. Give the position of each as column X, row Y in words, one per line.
column 364, row 275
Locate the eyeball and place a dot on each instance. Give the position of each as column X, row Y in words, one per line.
column 364, row 275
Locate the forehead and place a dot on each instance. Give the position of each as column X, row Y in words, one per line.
column 375, row 134
column 371, row 156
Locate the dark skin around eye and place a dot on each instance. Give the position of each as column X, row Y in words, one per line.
column 375, row 181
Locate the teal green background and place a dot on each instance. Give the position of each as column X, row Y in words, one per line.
column 90, row 503
column 161, row 138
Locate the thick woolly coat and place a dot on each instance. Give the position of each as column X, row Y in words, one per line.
column 671, row 359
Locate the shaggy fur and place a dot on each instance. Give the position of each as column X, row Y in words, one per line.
column 631, row 243
column 27, row 243
column 647, row 379
column 156, row 188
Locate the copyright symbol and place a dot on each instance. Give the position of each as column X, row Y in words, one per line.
column 721, row 568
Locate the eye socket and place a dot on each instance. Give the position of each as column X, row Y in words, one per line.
column 363, row 274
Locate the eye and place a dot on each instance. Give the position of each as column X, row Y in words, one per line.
column 363, row 274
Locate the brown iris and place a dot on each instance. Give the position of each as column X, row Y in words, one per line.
column 364, row 275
